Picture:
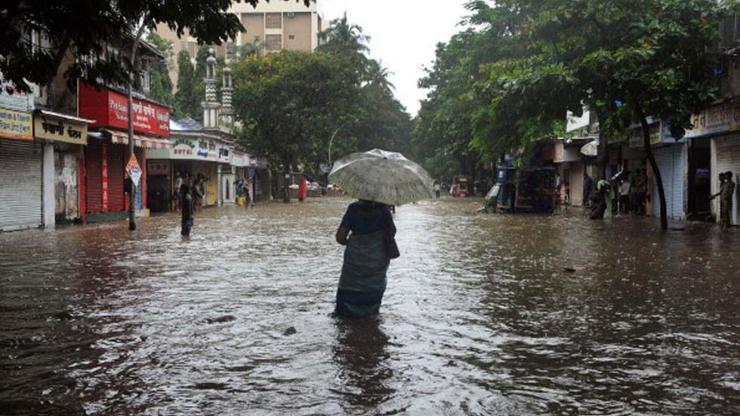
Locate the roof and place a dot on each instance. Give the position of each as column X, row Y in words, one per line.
column 185, row 124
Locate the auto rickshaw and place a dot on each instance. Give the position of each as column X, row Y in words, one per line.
column 461, row 186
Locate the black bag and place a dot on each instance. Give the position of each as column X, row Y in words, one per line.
column 391, row 248
column 389, row 241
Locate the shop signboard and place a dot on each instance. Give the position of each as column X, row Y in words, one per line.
column 656, row 136
column 110, row 109
column 14, row 99
column 16, row 125
column 184, row 148
column 60, row 130
column 718, row 119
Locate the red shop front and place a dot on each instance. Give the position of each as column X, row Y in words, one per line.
column 107, row 152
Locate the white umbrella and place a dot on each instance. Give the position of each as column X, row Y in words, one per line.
column 382, row 176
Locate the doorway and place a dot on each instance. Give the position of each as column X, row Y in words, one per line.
column 699, row 181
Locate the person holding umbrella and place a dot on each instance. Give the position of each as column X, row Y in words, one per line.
column 378, row 179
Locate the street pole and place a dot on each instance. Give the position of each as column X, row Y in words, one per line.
column 132, row 74
column 331, row 140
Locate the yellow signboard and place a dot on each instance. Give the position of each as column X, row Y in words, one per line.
column 16, row 125
column 60, row 130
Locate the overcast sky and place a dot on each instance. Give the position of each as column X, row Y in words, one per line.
column 404, row 34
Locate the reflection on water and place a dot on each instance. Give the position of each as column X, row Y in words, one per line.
column 483, row 315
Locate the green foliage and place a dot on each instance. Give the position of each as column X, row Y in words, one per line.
column 287, row 100
column 187, row 97
column 88, row 27
column 161, row 84
column 292, row 104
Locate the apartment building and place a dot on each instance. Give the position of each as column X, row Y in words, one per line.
column 271, row 26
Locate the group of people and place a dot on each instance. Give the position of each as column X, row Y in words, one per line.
column 625, row 193
column 195, row 185
column 188, row 196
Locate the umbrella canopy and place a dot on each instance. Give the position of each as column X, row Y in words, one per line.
column 382, row 176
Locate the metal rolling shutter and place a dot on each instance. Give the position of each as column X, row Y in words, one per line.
column 116, row 167
column 93, row 177
column 670, row 163
column 20, row 185
column 728, row 159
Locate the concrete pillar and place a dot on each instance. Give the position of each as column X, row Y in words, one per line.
column 220, row 192
column 48, row 191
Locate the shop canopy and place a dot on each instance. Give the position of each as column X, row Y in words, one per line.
column 118, row 137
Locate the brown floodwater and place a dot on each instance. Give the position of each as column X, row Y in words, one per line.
column 484, row 314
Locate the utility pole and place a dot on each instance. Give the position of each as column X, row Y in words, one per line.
column 132, row 74
column 331, row 140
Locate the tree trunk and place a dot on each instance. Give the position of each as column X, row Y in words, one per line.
column 649, row 151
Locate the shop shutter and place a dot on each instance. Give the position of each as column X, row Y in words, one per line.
column 728, row 159
column 93, row 177
column 116, row 167
column 670, row 161
column 20, row 185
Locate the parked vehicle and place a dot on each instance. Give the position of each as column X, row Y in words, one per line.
column 525, row 190
column 462, row 186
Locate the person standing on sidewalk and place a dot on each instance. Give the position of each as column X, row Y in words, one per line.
column 437, row 189
column 186, row 208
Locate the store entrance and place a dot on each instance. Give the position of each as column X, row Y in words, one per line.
column 700, row 181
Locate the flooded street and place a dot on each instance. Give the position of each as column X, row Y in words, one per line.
column 484, row 314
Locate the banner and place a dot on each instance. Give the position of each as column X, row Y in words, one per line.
column 134, row 170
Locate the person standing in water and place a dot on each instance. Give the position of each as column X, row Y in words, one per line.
column 365, row 231
column 725, row 194
column 186, row 208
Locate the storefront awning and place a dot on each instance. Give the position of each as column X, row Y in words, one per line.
column 118, row 137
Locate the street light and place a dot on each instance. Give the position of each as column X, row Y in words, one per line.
column 332, row 140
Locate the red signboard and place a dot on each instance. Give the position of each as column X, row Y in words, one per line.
column 110, row 109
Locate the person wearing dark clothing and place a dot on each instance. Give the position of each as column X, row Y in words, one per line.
column 364, row 230
column 599, row 199
column 186, row 199
column 725, row 194
column 588, row 187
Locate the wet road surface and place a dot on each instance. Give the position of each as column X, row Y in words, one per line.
column 483, row 315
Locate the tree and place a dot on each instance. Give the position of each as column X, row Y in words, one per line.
column 187, row 102
column 626, row 60
column 377, row 118
column 286, row 100
column 87, row 27
column 161, row 84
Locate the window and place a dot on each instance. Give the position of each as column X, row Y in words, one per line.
column 273, row 21
column 291, row 37
column 273, row 42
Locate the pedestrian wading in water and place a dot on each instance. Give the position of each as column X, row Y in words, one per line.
column 186, row 200
column 368, row 232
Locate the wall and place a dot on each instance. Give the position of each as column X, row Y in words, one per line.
column 255, row 25
column 299, row 27
column 66, row 186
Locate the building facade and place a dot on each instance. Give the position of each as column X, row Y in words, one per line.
column 269, row 27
